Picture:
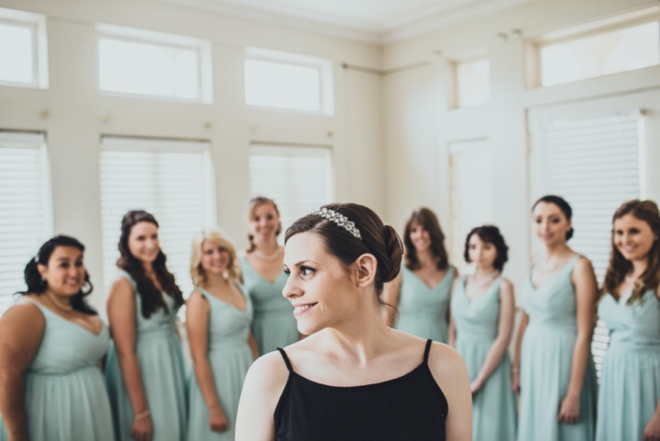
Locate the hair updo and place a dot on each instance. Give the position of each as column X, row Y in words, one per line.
column 380, row 240
column 563, row 206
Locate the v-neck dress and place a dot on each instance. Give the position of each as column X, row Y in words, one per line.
column 423, row 311
column 230, row 358
column 273, row 325
column 65, row 395
column 547, row 360
column 630, row 385
column 477, row 324
column 160, row 358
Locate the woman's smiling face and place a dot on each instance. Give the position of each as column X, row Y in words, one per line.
column 320, row 288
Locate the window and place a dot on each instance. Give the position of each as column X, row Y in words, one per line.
column 594, row 163
column 172, row 180
column 472, row 82
column 471, row 201
column 298, row 179
column 601, row 54
column 288, row 81
column 23, row 49
column 25, row 213
column 153, row 64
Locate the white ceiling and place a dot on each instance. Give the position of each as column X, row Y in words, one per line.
column 379, row 21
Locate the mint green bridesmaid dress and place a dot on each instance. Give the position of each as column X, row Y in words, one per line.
column 630, row 386
column 273, row 325
column 423, row 311
column 160, row 358
column 65, row 395
column 546, row 362
column 230, row 358
column 477, row 325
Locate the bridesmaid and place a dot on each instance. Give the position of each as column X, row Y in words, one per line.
column 553, row 369
column 629, row 395
column 264, row 279
column 218, row 317
column 145, row 370
column 423, row 287
column 482, row 308
column 51, row 346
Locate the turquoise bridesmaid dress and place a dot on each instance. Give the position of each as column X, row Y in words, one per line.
column 230, row 358
column 65, row 396
column 477, row 324
column 160, row 358
column 423, row 311
column 546, row 362
column 274, row 325
column 630, row 386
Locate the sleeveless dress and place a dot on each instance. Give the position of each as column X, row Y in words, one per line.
column 423, row 311
column 411, row 407
column 65, row 396
column 160, row 358
column 477, row 325
column 230, row 358
column 630, row 386
column 273, row 325
column 546, row 362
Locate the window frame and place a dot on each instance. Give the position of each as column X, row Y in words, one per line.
column 322, row 65
column 534, row 46
column 36, row 23
column 134, row 35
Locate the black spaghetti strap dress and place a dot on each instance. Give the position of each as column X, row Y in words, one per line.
column 408, row 408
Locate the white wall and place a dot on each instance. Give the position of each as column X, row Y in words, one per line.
column 77, row 115
column 419, row 126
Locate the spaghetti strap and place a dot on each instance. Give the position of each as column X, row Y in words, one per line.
column 427, row 350
column 286, row 359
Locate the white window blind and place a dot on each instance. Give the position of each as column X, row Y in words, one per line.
column 594, row 164
column 471, row 202
column 172, row 180
column 298, row 179
column 25, row 213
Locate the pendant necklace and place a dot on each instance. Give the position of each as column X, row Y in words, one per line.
column 57, row 303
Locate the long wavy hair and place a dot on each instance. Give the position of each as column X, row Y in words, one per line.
column 36, row 285
column 253, row 203
column 646, row 211
column 151, row 297
column 429, row 221
column 216, row 236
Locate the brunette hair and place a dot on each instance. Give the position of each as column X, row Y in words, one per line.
column 380, row 240
column 151, row 297
column 253, row 203
column 646, row 211
column 492, row 235
column 36, row 285
column 563, row 206
column 217, row 237
column 429, row 221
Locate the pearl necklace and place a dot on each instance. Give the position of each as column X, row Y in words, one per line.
column 272, row 258
column 485, row 280
column 57, row 303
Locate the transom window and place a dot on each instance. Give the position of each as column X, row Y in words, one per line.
column 23, row 49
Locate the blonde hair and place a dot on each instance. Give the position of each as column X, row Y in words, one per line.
column 216, row 236
column 253, row 203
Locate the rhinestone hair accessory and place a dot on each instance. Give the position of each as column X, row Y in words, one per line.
column 339, row 219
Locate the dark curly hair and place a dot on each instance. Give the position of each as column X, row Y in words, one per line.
column 151, row 297
column 490, row 234
column 36, row 285
column 429, row 221
column 563, row 206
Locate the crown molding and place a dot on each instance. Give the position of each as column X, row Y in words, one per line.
column 392, row 30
